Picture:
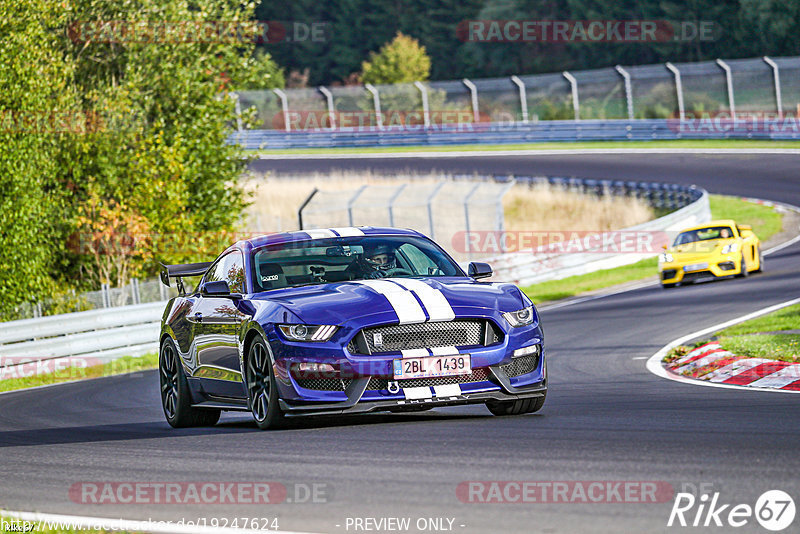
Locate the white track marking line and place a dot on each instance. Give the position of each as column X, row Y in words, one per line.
column 546, row 152
column 104, row 523
column 654, row 362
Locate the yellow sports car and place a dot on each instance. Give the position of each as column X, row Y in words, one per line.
column 713, row 250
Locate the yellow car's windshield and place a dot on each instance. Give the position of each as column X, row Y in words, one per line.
column 704, row 234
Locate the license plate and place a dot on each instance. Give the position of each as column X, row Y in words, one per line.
column 695, row 267
column 432, row 366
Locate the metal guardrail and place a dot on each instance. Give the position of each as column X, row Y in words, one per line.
column 519, row 132
column 96, row 336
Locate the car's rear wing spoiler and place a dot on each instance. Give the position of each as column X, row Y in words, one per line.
column 180, row 270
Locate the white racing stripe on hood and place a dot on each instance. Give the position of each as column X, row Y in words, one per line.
column 405, row 305
column 434, row 301
column 320, row 233
column 348, row 231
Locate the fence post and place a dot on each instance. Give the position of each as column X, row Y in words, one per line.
column 376, row 102
column 576, row 105
column 466, row 217
column 430, row 206
column 628, row 89
column 391, row 203
column 352, row 201
column 331, row 110
column 104, row 296
column 426, row 112
column 135, row 288
column 162, row 291
column 500, row 213
column 473, row 91
column 523, row 99
column 303, row 206
column 678, row 88
column 729, row 83
column 285, row 107
column 776, row 78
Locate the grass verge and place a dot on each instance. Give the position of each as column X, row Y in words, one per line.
column 749, row 340
column 681, row 143
column 765, row 221
column 28, row 377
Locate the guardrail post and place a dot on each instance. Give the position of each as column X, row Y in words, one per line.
column 523, row 99
column 331, row 110
column 466, row 217
column 285, row 107
column 678, row 88
column 303, row 206
column 426, row 112
column 238, row 108
column 430, row 206
column 628, row 89
column 135, row 291
column 351, row 201
column 729, row 83
column 776, row 78
column 376, row 103
column 473, row 91
column 105, row 296
column 391, row 203
column 576, row 105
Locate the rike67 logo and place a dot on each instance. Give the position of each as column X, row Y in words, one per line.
column 774, row 510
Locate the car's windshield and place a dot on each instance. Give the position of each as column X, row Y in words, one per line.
column 348, row 258
column 704, row 234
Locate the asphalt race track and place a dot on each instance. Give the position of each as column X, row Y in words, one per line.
column 606, row 417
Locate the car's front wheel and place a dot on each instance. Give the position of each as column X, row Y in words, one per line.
column 262, row 393
column 517, row 407
column 742, row 268
column 176, row 400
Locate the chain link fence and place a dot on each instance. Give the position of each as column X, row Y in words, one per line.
column 763, row 86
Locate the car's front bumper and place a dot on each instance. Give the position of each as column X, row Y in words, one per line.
column 501, row 389
column 717, row 267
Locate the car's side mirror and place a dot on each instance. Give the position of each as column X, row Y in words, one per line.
column 218, row 288
column 479, row 270
column 664, row 247
column 745, row 227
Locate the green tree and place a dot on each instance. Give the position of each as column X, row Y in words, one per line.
column 401, row 61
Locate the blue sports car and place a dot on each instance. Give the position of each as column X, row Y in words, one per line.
column 345, row 320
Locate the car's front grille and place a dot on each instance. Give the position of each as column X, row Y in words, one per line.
column 481, row 374
column 520, row 366
column 323, row 384
column 394, row 338
column 377, row 383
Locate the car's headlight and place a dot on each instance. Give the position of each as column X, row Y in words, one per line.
column 307, row 332
column 665, row 257
column 521, row 317
column 730, row 247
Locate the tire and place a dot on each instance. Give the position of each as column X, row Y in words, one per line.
column 176, row 400
column 262, row 392
column 760, row 262
column 742, row 268
column 516, row 407
column 668, row 286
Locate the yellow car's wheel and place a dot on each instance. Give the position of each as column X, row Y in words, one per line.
column 742, row 268
column 668, row 286
column 760, row 262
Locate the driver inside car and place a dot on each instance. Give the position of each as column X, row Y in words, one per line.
column 378, row 261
